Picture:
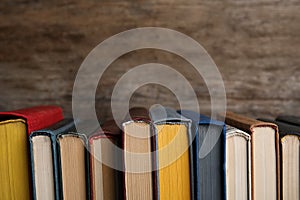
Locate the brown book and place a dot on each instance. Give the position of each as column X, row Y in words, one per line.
column 289, row 135
column 265, row 169
column 105, row 179
column 138, row 182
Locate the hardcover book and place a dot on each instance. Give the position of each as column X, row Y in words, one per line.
column 265, row 173
column 73, row 165
column 289, row 157
column 293, row 120
column 15, row 126
column 238, row 164
column 105, row 180
column 209, row 147
column 137, row 142
column 173, row 160
column 44, row 161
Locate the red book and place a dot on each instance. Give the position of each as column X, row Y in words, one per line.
column 15, row 126
column 36, row 117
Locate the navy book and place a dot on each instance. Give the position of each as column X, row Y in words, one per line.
column 209, row 150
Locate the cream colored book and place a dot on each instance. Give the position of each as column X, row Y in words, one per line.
column 238, row 164
column 265, row 159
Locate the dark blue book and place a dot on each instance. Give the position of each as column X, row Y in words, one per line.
column 209, row 150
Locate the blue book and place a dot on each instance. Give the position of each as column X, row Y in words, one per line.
column 209, row 150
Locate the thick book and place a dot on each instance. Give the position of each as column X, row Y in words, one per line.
column 289, row 157
column 137, row 146
column 238, row 164
column 44, row 161
column 173, row 158
column 15, row 126
column 265, row 159
column 73, row 165
column 209, row 147
column 106, row 162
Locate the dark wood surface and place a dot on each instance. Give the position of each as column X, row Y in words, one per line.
column 255, row 44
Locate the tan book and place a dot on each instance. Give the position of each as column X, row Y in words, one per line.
column 265, row 172
column 138, row 183
column 72, row 161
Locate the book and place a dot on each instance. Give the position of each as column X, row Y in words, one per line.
column 289, row 157
column 44, row 161
column 137, row 146
column 106, row 181
column 209, row 147
column 238, row 164
column 15, row 126
column 73, row 165
column 173, row 158
column 293, row 120
column 265, row 173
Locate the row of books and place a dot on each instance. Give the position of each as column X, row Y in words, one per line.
column 185, row 155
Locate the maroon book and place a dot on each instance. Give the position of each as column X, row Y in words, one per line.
column 104, row 142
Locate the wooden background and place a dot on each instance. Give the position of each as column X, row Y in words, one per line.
column 255, row 44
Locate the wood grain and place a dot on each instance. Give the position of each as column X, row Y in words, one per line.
column 255, row 44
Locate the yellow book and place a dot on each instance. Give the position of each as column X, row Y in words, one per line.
column 15, row 171
column 173, row 157
column 174, row 178
column 14, row 166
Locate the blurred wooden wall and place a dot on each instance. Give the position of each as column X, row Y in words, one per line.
column 255, row 44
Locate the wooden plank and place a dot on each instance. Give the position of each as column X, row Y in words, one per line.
column 254, row 43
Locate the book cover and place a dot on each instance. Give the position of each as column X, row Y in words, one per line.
column 137, row 140
column 293, row 120
column 238, row 164
column 14, row 130
column 173, row 159
column 265, row 157
column 73, row 165
column 289, row 157
column 45, row 141
column 37, row 117
column 105, row 181
column 209, row 148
